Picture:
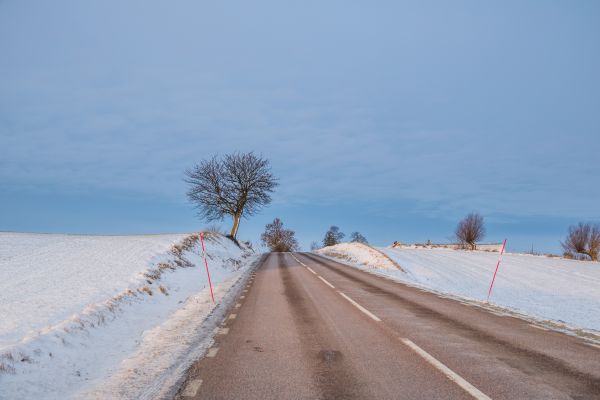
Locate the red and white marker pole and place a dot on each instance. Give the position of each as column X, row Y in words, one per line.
column 206, row 265
column 496, row 271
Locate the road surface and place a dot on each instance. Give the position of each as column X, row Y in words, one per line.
column 309, row 328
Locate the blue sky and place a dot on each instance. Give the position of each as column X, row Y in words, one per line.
column 391, row 118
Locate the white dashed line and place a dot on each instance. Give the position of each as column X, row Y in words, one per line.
column 192, row 388
column 238, row 305
column 300, row 262
column 311, row 270
column 327, row 283
column 242, row 297
column 212, row 352
column 453, row 376
column 223, row 331
column 232, row 316
column 361, row 308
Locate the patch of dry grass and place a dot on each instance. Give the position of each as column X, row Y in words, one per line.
column 146, row 290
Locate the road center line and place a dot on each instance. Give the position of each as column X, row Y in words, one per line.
column 311, row 270
column 453, row 376
column 361, row 308
column 327, row 283
column 300, row 262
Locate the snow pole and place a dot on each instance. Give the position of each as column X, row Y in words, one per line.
column 206, row 265
column 496, row 271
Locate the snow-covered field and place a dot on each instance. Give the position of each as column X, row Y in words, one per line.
column 555, row 289
column 107, row 316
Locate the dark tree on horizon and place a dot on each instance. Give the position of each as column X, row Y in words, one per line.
column 357, row 237
column 276, row 238
column 333, row 236
column 236, row 185
column 470, row 230
column 583, row 241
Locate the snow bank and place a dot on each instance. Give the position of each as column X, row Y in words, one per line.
column 556, row 289
column 360, row 255
column 105, row 316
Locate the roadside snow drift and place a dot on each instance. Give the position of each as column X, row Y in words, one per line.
column 360, row 254
column 106, row 316
column 556, row 289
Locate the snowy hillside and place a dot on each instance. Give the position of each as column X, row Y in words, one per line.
column 81, row 314
column 361, row 254
column 556, row 289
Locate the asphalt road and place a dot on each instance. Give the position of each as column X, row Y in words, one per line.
column 310, row 328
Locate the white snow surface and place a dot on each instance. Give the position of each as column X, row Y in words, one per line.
column 75, row 321
column 554, row 289
column 359, row 254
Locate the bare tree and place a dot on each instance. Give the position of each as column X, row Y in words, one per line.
column 314, row 246
column 236, row 185
column 583, row 241
column 470, row 230
column 357, row 237
column 333, row 236
column 276, row 238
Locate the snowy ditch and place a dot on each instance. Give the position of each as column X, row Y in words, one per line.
column 109, row 316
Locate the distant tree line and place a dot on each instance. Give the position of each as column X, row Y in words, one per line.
column 239, row 185
column 582, row 241
column 334, row 236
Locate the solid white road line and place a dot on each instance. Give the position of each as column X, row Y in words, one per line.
column 593, row 345
column 453, row 376
column 311, row 270
column 361, row 308
column 327, row 283
column 192, row 388
column 212, row 352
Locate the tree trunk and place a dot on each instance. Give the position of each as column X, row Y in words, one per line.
column 236, row 225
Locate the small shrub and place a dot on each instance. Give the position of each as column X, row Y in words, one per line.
column 146, row 289
column 583, row 242
column 469, row 231
column 7, row 369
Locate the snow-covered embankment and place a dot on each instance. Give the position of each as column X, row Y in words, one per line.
column 565, row 292
column 108, row 316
